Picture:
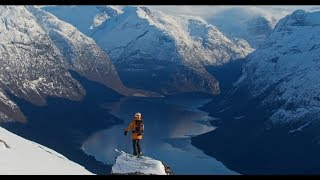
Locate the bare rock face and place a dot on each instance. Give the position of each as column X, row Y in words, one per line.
column 168, row 170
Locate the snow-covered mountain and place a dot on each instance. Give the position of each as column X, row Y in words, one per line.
column 249, row 23
column 288, row 65
column 37, row 52
column 31, row 66
column 19, row 156
column 81, row 52
column 272, row 114
column 150, row 46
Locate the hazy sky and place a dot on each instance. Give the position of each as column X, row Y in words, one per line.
column 208, row 12
column 211, row 10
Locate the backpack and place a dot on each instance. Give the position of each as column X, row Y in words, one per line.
column 139, row 128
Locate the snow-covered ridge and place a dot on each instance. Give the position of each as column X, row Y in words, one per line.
column 104, row 14
column 19, row 156
column 140, row 37
column 300, row 18
column 195, row 40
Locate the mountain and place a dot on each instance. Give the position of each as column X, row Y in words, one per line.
column 38, row 51
column 20, row 156
column 249, row 23
column 271, row 116
column 31, row 65
column 150, row 46
column 288, row 65
column 81, row 52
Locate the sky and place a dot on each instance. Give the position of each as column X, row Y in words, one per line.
column 209, row 11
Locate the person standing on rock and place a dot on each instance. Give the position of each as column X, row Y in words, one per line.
column 137, row 128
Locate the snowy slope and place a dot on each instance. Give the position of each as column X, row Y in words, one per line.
column 128, row 164
column 154, row 46
column 288, row 65
column 21, row 156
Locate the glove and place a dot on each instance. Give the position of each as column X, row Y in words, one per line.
column 125, row 133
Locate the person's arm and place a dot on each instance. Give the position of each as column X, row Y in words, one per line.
column 128, row 128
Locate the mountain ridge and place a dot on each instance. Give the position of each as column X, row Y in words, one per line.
column 153, row 46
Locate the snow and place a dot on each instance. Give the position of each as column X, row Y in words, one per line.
column 25, row 157
column 239, row 117
column 224, row 109
column 126, row 163
column 33, row 84
column 6, row 100
column 3, row 116
column 300, row 128
column 300, row 18
column 104, row 14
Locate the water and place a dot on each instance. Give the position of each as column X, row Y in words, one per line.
column 169, row 124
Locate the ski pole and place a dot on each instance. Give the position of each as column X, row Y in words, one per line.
column 126, row 142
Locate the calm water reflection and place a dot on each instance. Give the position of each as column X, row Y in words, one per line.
column 169, row 122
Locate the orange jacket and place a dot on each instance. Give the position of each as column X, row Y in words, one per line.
column 132, row 126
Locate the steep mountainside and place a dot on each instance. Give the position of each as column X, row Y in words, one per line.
column 31, row 67
column 288, row 65
column 272, row 115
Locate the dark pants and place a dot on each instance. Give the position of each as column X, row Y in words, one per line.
column 136, row 146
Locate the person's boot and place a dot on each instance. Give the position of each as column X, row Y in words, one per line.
column 140, row 154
